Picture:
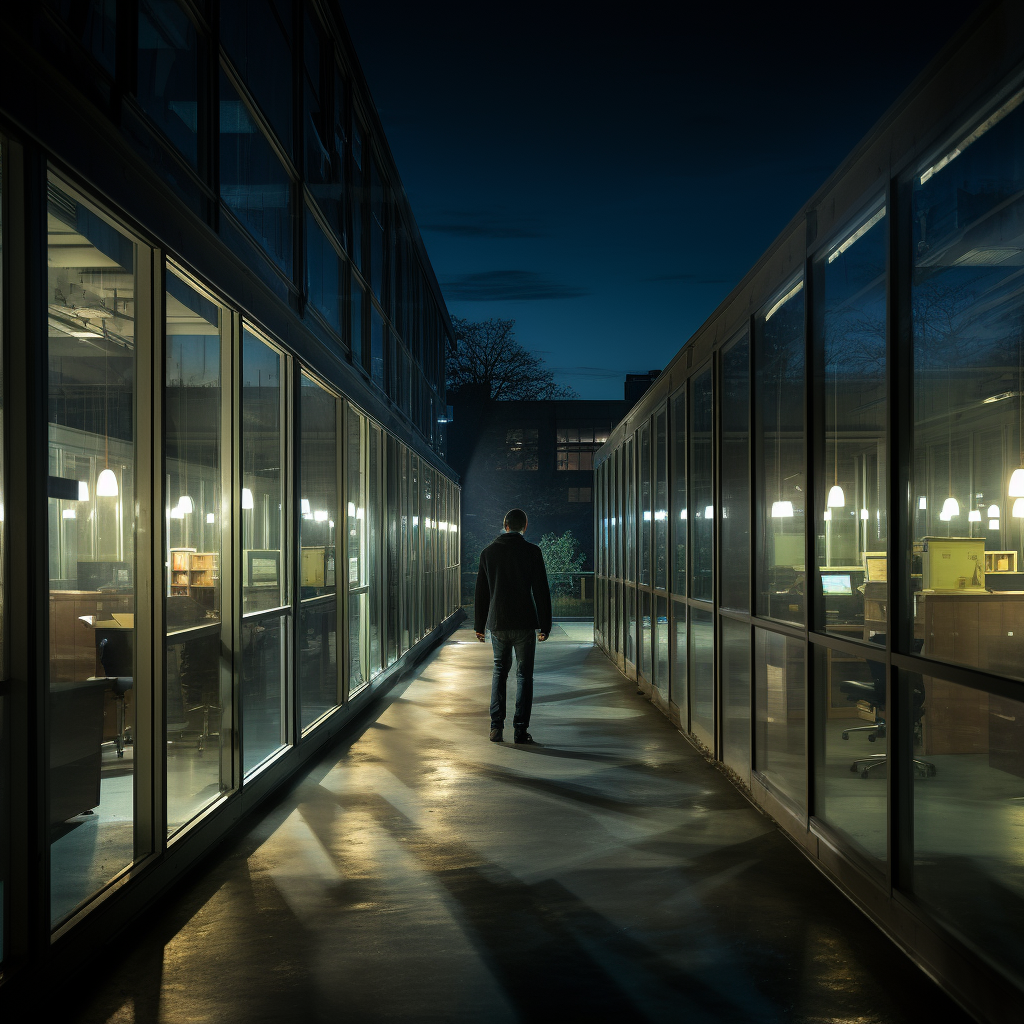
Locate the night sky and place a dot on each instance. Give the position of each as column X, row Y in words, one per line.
column 606, row 180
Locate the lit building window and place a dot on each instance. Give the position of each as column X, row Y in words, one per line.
column 575, row 446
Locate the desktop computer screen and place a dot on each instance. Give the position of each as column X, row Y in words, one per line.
column 836, row 583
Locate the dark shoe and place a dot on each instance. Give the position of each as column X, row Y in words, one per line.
column 496, row 735
column 523, row 737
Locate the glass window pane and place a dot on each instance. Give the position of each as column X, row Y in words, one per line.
column 198, row 693
column 91, row 269
column 734, row 523
column 358, row 562
column 661, row 502
column 253, row 182
column 323, row 274
column 702, row 676
column 779, row 739
column 265, row 561
column 680, row 651
column 630, row 645
column 646, row 663
column 678, row 512
column 264, row 678
column 168, row 70
column 257, row 35
column 851, row 760
column 317, row 636
column 644, row 476
column 850, row 519
column 376, row 347
column 967, row 481
column 735, row 679
column 265, row 572
column 630, row 512
column 779, row 355
column 661, row 639
column 375, row 517
column 968, row 771
column 702, row 521
column 94, row 24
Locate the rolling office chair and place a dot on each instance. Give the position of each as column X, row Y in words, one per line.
column 119, row 684
column 873, row 694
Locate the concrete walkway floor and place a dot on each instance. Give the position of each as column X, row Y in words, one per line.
column 422, row 873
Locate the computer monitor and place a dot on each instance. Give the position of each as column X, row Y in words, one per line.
column 836, row 583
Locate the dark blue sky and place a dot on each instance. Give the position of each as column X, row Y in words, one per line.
column 606, row 179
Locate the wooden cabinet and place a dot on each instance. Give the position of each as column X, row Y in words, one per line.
column 195, row 574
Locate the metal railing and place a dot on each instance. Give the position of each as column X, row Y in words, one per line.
column 572, row 594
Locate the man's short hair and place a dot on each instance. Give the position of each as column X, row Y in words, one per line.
column 515, row 520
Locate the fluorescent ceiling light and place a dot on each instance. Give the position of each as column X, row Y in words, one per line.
column 785, row 298
column 1008, row 107
column 859, row 233
column 84, row 334
column 987, row 256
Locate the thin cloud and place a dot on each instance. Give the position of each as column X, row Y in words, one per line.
column 508, row 286
column 482, row 230
column 692, row 279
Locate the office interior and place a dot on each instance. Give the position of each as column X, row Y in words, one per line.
column 811, row 528
column 226, row 521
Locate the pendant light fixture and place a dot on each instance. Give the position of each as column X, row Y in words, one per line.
column 836, row 497
column 950, row 508
column 974, row 516
column 1018, row 509
column 106, row 482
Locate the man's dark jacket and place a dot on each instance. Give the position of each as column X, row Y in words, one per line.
column 512, row 586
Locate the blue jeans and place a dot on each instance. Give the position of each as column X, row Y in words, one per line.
column 503, row 642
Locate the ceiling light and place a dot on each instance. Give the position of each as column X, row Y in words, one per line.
column 106, row 484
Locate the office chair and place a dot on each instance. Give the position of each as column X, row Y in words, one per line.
column 119, row 684
column 873, row 694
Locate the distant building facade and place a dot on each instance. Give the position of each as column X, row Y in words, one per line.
column 538, row 456
column 636, row 385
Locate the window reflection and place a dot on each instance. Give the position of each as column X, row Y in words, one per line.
column 851, row 761
column 779, row 751
column 265, row 562
column 677, row 513
column 91, row 268
column 702, row 516
column 734, row 522
column 702, row 676
column 966, row 305
column 168, row 72
column 779, row 353
column 198, row 682
column 968, row 769
column 319, row 486
column 850, row 518
column 735, row 681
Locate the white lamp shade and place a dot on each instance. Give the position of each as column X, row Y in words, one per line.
column 993, row 524
column 945, row 517
column 922, row 502
column 782, row 510
column 246, row 498
column 83, row 491
column 836, row 498
column 1016, row 488
column 176, row 513
column 950, row 508
column 106, row 484
column 1018, row 509
column 974, row 516
column 993, row 512
column 828, row 515
column 865, row 514
column 320, row 516
column 209, row 517
column 305, row 506
column 185, row 504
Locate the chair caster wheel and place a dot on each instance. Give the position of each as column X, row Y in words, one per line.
column 846, row 735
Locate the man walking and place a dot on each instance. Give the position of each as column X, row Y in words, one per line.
column 512, row 600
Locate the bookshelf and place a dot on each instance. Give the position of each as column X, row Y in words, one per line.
column 195, row 574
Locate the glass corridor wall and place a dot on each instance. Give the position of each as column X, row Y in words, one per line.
column 280, row 499
column 842, row 622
